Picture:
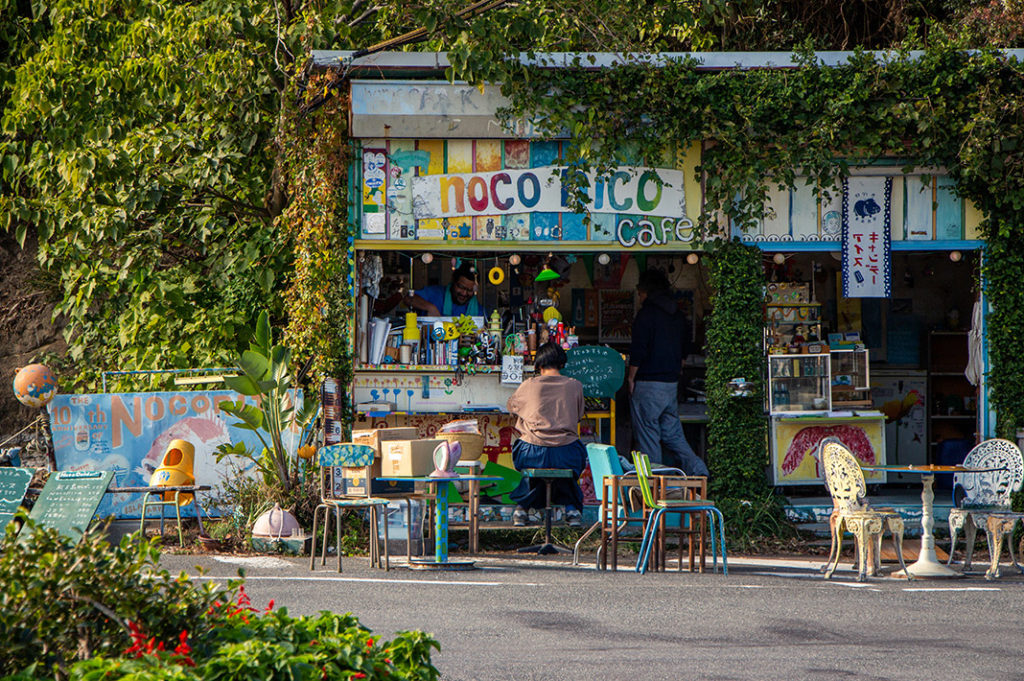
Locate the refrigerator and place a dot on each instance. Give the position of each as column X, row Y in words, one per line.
column 901, row 394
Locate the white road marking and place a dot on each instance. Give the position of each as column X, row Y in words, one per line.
column 953, row 588
column 380, row 580
column 254, row 561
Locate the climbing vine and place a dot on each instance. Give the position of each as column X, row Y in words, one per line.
column 736, row 425
column 319, row 299
column 944, row 107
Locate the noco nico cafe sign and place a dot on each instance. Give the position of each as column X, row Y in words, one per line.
column 652, row 193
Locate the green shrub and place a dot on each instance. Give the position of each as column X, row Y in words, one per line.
column 248, row 644
column 62, row 602
column 94, row 611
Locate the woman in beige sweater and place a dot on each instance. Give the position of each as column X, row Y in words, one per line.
column 549, row 407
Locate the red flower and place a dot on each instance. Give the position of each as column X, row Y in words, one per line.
column 270, row 605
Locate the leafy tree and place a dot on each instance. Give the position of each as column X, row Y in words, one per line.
column 147, row 141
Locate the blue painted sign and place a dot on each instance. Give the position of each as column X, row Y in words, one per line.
column 128, row 433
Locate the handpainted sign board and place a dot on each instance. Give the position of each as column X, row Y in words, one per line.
column 795, row 439
column 128, row 433
column 69, row 501
column 600, row 369
column 13, row 486
column 512, row 190
column 866, row 243
column 647, row 191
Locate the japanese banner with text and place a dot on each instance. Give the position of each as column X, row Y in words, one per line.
column 867, row 259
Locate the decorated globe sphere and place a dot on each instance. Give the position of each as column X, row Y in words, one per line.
column 35, row 385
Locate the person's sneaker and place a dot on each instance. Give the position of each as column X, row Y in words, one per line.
column 519, row 517
column 573, row 518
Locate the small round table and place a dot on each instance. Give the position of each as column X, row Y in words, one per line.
column 927, row 563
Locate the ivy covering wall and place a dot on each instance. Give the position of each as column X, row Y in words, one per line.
column 737, row 427
column 319, row 300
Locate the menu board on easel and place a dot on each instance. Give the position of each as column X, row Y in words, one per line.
column 616, row 316
column 69, row 501
column 13, row 486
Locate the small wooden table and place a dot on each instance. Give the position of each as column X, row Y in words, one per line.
column 693, row 488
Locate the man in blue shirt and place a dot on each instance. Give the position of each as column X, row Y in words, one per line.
column 450, row 301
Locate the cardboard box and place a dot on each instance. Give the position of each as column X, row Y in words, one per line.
column 373, row 437
column 352, row 482
column 408, row 457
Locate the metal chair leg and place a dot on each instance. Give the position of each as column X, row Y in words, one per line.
column 387, row 552
column 177, row 514
column 337, row 524
column 312, row 544
column 576, row 546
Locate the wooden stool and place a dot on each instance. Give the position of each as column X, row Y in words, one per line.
column 548, row 475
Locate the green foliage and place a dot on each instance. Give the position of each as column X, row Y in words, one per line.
column 737, row 428
column 750, row 522
column 266, row 375
column 1003, row 270
column 63, row 602
column 90, row 611
column 140, row 140
column 249, row 644
column 319, row 301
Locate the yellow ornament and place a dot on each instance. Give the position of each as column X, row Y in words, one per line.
column 465, row 325
column 552, row 313
column 496, row 275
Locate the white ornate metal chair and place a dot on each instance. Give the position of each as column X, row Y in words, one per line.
column 845, row 482
column 983, row 500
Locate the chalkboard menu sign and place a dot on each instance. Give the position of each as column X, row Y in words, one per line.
column 13, row 485
column 69, row 500
column 598, row 368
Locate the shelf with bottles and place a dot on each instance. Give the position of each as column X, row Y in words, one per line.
column 799, row 383
column 851, row 382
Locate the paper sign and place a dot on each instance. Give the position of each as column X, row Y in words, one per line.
column 512, row 369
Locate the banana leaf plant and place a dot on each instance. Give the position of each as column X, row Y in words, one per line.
column 266, row 376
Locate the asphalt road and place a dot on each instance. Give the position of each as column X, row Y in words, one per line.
column 520, row 620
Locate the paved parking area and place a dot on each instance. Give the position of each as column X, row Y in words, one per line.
column 520, row 618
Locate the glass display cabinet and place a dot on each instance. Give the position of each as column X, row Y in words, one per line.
column 851, row 384
column 799, row 383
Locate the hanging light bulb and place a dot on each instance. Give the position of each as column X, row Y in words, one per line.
column 779, row 259
column 604, row 259
column 514, row 259
column 692, row 258
column 427, row 258
column 955, row 256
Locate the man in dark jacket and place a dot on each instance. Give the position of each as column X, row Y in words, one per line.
column 655, row 358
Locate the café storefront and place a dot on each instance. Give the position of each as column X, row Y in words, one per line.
column 870, row 318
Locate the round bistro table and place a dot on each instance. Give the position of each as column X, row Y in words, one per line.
column 927, row 564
